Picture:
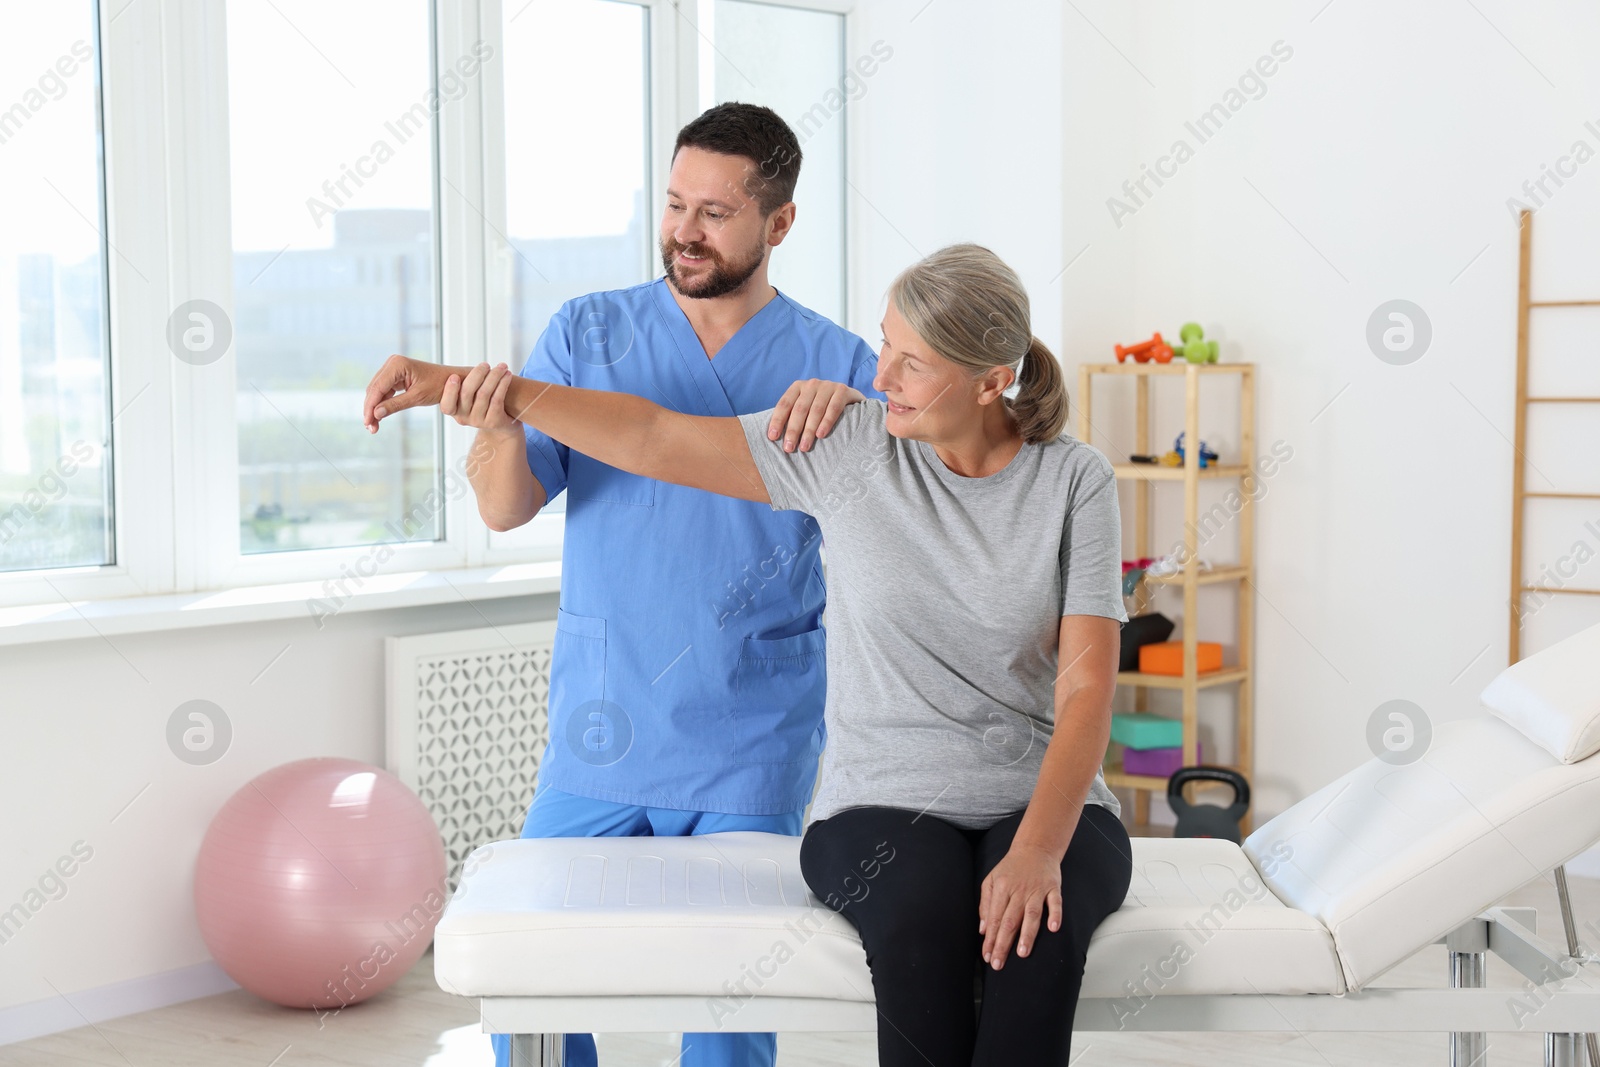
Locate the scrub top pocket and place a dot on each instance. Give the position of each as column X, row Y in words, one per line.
column 580, row 648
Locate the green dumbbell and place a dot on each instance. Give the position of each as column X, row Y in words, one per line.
column 1194, row 347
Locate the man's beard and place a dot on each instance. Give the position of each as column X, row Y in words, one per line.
column 723, row 278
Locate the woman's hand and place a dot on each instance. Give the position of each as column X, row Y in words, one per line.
column 402, row 382
column 479, row 399
column 1014, row 898
column 475, row 396
column 810, row 408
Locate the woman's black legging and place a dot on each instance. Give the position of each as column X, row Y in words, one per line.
column 911, row 882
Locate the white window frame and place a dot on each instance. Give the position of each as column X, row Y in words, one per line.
column 174, row 434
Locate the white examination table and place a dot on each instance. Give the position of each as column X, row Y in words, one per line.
column 1286, row 932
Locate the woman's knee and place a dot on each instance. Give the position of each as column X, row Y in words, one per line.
column 1051, row 972
column 847, row 858
column 838, row 855
column 1068, row 943
column 897, row 883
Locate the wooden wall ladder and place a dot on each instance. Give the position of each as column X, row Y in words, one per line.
column 1519, row 491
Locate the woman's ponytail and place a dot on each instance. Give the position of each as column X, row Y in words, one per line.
column 1041, row 401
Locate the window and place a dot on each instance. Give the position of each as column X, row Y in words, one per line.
column 214, row 254
column 578, row 219
column 334, row 266
column 792, row 60
column 55, row 478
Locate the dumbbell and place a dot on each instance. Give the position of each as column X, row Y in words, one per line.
column 1144, row 351
column 1192, row 347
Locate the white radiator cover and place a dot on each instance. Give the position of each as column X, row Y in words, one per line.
column 468, row 720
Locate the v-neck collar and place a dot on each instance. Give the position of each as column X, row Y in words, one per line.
column 708, row 373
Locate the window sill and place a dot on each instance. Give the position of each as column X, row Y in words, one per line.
column 35, row 623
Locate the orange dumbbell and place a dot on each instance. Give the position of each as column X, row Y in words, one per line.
column 1145, row 351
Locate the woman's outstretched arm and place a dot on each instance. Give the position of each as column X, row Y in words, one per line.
column 623, row 430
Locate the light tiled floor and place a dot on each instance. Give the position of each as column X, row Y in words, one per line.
column 414, row 1024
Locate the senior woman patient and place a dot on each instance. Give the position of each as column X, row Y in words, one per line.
column 974, row 582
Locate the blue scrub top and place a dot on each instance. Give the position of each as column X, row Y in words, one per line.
column 688, row 666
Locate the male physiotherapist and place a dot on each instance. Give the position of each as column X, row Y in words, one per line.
column 687, row 682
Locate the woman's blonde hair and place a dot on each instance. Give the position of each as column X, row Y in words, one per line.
column 972, row 309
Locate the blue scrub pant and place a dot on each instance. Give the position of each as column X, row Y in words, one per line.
column 554, row 813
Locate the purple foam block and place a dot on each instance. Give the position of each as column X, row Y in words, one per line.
column 1158, row 762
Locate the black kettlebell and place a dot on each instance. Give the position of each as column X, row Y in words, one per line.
column 1208, row 820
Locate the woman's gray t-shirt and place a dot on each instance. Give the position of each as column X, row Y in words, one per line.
column 945, row 598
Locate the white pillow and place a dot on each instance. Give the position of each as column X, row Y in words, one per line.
column 1553, row 697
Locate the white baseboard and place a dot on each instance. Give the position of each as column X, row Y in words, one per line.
column 25, row 1021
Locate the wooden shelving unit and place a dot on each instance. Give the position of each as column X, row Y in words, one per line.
column 1144, row 476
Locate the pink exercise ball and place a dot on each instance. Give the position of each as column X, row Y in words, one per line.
column 320, row 882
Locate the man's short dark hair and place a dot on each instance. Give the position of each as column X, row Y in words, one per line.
column 760, row 136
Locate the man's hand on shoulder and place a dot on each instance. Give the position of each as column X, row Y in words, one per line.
column 808, row 410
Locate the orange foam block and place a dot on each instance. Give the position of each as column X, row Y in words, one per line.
column 1166, row 657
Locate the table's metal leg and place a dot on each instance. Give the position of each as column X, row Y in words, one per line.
column 1563, row 1050
column 537, row 1050
column 1467, row 1048
column 1569, row 925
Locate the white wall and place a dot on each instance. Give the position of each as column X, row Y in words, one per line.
column 1384, row 152
column 85, row 758
column 957, row 138
column 1376, row 165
